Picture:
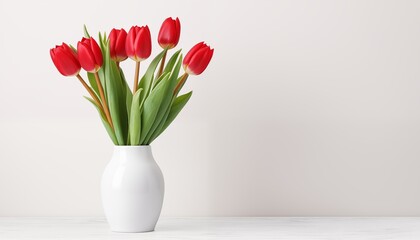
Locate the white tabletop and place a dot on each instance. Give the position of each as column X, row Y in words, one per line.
column 301, row 228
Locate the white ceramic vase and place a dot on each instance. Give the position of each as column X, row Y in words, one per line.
column 132, row 190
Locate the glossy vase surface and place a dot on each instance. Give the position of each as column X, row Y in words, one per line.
column 132, row 189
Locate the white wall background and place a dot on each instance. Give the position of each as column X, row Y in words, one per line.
column 308, row 108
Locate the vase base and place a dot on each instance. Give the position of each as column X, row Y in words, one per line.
column 132, row 231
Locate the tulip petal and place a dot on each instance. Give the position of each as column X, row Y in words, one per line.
column 200, row 60
column 86, row 58
column 71, row 54
column 117, row 42
column 52, row 53
column 64, row 60
column 178, row 30
column 64, row 64
column 169, row 33
column 129, row 42
column 191, row 53
column 96, row 51
column 143, row 44
column 112, row 42
column 120, row 45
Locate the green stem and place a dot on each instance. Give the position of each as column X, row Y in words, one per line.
column 162, row 64
column 104, row 103
column 180, row 83
column 136, row 77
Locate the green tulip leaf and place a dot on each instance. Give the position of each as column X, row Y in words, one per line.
column 104, row 121
column 180, row 85
column 85, row 31
column 171, row 63
column 165, row 105
column 92, row 82
column 174, row 74
column 135, row 119
column 128, row 93
column 147, row 79
column 152, row 105
column 103, row 41
column 73, row 48
column 176, row 107
column 116, row 98
column 169, row 66
column 157, row 131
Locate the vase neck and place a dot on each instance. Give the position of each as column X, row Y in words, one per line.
column 124, row 153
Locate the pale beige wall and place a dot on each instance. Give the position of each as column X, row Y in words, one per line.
column 308, row 108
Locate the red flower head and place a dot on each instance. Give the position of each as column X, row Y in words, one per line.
column 90, row 55
column 117, row 44
column 65, row 60
column 138, row 44
column 197, row 59
column 169, row 33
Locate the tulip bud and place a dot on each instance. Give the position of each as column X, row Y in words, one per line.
column 169, row 33
column 138, row 44
column 90, row 55
column 117, row 45
column 65, row 60
column 197, row 59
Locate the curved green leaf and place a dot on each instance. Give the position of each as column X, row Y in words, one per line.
column 135, row 119
column 158, row 131
column 177, row 105
column 147, row 79
column 171, row 63
column 85, row 31
column 128, row 93
column 116, row 98
column 169, row 66
column 104, row 121
column 152, row 105
column 166, row 102
column 92, row 82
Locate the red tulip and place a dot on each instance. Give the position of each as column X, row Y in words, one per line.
column 197, row 59
column 90, row 55
column 169, row 33
column 65, row 60
column 117, row 44
column 139, row 43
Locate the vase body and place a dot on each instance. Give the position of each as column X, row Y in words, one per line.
column 132, row 189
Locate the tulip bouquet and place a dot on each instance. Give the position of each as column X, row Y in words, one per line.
column 139, row 115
